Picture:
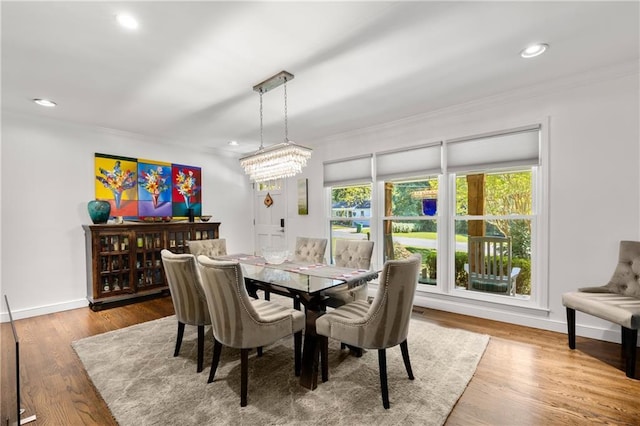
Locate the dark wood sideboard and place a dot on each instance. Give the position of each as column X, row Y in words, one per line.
column 124, row 263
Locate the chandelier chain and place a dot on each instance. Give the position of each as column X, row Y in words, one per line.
column 261, row 138
column 286, row 127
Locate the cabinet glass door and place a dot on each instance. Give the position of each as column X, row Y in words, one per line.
column 178, row 241
column 114, row 264
column 148, row 262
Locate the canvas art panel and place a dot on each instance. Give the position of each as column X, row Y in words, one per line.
column 116, row 182
column 154, row 188
column 186, row 194
column 147, row 188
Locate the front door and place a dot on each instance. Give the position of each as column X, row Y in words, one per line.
column 270, row 213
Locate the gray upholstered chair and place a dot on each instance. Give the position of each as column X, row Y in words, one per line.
column 310, row 249
column 381, row 325
column 618, row 301
column 209, row 248
column 188, row 298
column 244, row 323
column 354, row 254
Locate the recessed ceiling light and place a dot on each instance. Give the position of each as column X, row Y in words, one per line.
column 534, row 50
column 234, row 143
column 127, row 21
column 45, row 102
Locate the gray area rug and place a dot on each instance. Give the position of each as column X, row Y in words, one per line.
column 143, row 384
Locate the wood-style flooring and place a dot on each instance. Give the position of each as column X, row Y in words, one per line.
column 526, row 376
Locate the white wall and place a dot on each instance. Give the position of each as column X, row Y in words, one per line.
column 47, row 180
column 594, row 179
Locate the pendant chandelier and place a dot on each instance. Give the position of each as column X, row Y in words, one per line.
column 281, row 160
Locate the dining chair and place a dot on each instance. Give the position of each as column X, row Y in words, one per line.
column 310, row 249
column 210, row 248
column 240, row 322
column 354, row 254
column 380, row 325
column 188, row 298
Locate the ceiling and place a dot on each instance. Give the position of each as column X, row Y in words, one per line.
column 186, row 74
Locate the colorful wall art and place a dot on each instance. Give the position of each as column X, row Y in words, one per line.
column 147, row 188
column 186, row 190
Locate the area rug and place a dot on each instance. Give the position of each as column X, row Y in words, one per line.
column 143, row 384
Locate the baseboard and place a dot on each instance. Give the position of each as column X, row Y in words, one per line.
column 611, row 334
column 43, row 310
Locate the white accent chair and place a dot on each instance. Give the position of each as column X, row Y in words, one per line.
column 381, row 325
column 618, row 301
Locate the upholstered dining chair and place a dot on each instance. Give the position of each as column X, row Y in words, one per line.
column 210, row 248
column 618, row 301
column 188, row 298
column 310, row 249
column 354, row 254
column 244, row 323
column 381, row 325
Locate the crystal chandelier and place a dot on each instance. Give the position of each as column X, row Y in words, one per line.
column 281, row 160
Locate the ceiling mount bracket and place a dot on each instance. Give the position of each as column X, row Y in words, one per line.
column 273, row 82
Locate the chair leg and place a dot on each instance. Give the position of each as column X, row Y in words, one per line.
column 357, row 352
column 382, row 362
column 267, row 295
column 217, row 348
column 200, row 347
column 179, row 338
column 244, row 376
column 259, row 350
column 296, row 303
column 571, row 327
column 405, row 357
column 324, row 357
column 297, row 353
column 630, row 340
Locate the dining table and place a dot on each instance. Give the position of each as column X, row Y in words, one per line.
column 305, row 283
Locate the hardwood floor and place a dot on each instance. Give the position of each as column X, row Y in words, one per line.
column 526, row 376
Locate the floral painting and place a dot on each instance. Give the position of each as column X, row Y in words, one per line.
column 186, row 194
column 116, row 182
column 154, row 188
column 147, row 188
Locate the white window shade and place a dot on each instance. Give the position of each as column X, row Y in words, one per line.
column 348, row 171
column 409, row 162
column 514, row 148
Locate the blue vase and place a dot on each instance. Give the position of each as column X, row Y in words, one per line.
column 99, row 211
column 429, row 206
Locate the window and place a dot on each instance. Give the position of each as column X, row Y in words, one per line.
column 350, row 213
column 494, row 218
column 495, row 204
column 410, row 224
column 349, row 181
